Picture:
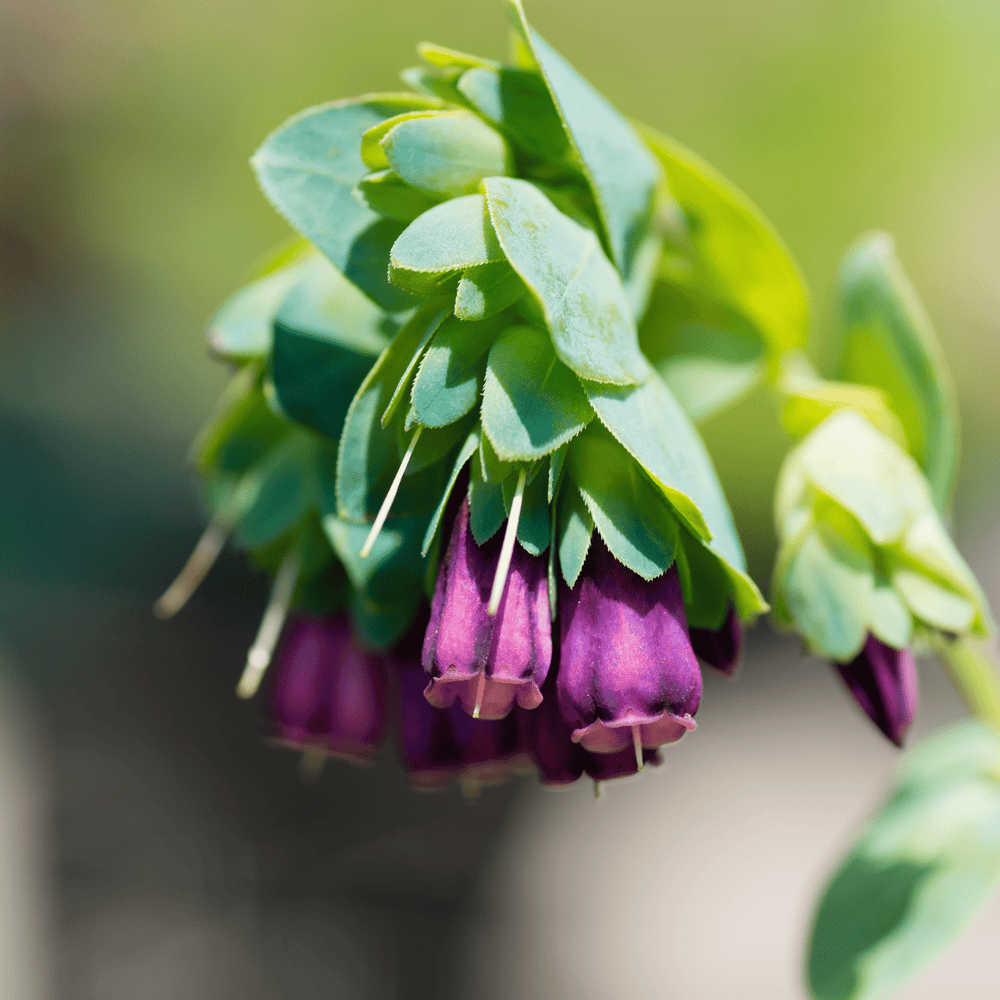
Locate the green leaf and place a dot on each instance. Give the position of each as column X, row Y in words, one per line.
column 327, row 336
column 242, row 329
column 575, row 529
column 434, row 83
column 443, row 57
column 448, row 153
column 465, row 453
column 938, row 606
column 388, row 194
column 888, row 342
column 632, row 517
column 434, row 319
column 532, row 403
column 556, row 461
column 922, row 867
column 705, row 586
column 486, row 507
column 739, row 258
column 435, row 443
column 586, row 311
column 371, row 142
column 622, row 173
column 656, row 432
column 388, row 583
column 518, row 103
column 445, row 240
column 493, row 469
column 278, row 490
column 709, row 356
column 308, row 169
column 447, row 384
column 533, row 524
column 487, row 289
column 368, row 455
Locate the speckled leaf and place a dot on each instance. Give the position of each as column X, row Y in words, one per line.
column 888, row 342
column 447, row 154
column 622, row 172
column 633, row 518
column 532, row 403
column 487, row 289
column 444, row 241
column 586, row 311
column 308, row 169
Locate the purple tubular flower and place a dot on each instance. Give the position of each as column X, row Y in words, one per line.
column 326, row 694
column 883, row 681
column 487, row 663
column 548, row 741
column 627, row 672
column 490, row 750
column 428, row 743
column 720, row 648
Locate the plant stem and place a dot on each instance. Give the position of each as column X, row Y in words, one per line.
column 975, row 678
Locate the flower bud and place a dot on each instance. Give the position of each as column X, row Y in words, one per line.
column 487, row 662
column 326, row 695
column 883, row 681
column 627, row 672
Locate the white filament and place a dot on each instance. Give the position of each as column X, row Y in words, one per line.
column 194, row 570
column 507, row 550
column 637, row 744
column 383, row 511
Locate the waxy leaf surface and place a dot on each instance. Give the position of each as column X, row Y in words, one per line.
column 576, row 526
column 580, row 293
column 487, row 289
column 388, row 194
column 486, row 507
column 532, row 403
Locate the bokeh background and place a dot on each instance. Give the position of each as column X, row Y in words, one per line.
column 150, row 845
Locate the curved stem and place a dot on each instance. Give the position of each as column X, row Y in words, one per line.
column 201, row 560
column 974, row 675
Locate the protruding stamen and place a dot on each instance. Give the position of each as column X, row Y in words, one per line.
column 637, row 744
column 195, row 569
column 507, row 550
column 271, row 625
column 311, row 764
column 598, row 789
column 480, row 691
column 470, row 789
column 383, row 511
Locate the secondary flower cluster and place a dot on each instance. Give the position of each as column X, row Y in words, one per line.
column 494, row 694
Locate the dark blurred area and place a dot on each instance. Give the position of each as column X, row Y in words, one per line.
column 155, row 845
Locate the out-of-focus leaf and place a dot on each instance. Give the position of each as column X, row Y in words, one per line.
column 308, row 169
column 936, row 605
column 447, row 154
column 434, row 83
column 924, row 864
column 532, row 403
column 486, row 506
column 888, row 342
column 632, row 517
column 465, row 453
column 447, row 384
column 622, row 173
column 445, row 240
column 388, row 194
column 739, row 258
column 518, row 103
column 533, row 525
column 586, row 311
column 327, row 336
column 443, row 57
column 575, row 529
column 649, row 422
column 368, row 455
column 708, row 355
column 487, row 289
column 242, row 329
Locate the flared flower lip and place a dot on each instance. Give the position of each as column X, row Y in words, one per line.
column 361, row 754
column 480, row 694
column 617, row 734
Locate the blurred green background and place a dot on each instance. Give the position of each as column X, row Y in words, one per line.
column 130, row 210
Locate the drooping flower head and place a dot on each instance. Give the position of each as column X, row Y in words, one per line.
column 326, row 695
column 627, row 673
column 883, row 681
column 487, row 662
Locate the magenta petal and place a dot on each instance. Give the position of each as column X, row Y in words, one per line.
column 625, row 657
column 481, row 661
column 883, row 681
column 325, row 694
column 720, row 648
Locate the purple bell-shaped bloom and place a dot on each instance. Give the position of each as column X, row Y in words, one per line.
column 627, row 672
column 326, row 695
column 560, row 762
column 428, row 744
column 487, row 662
column 883, row 681
column 721, row 647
